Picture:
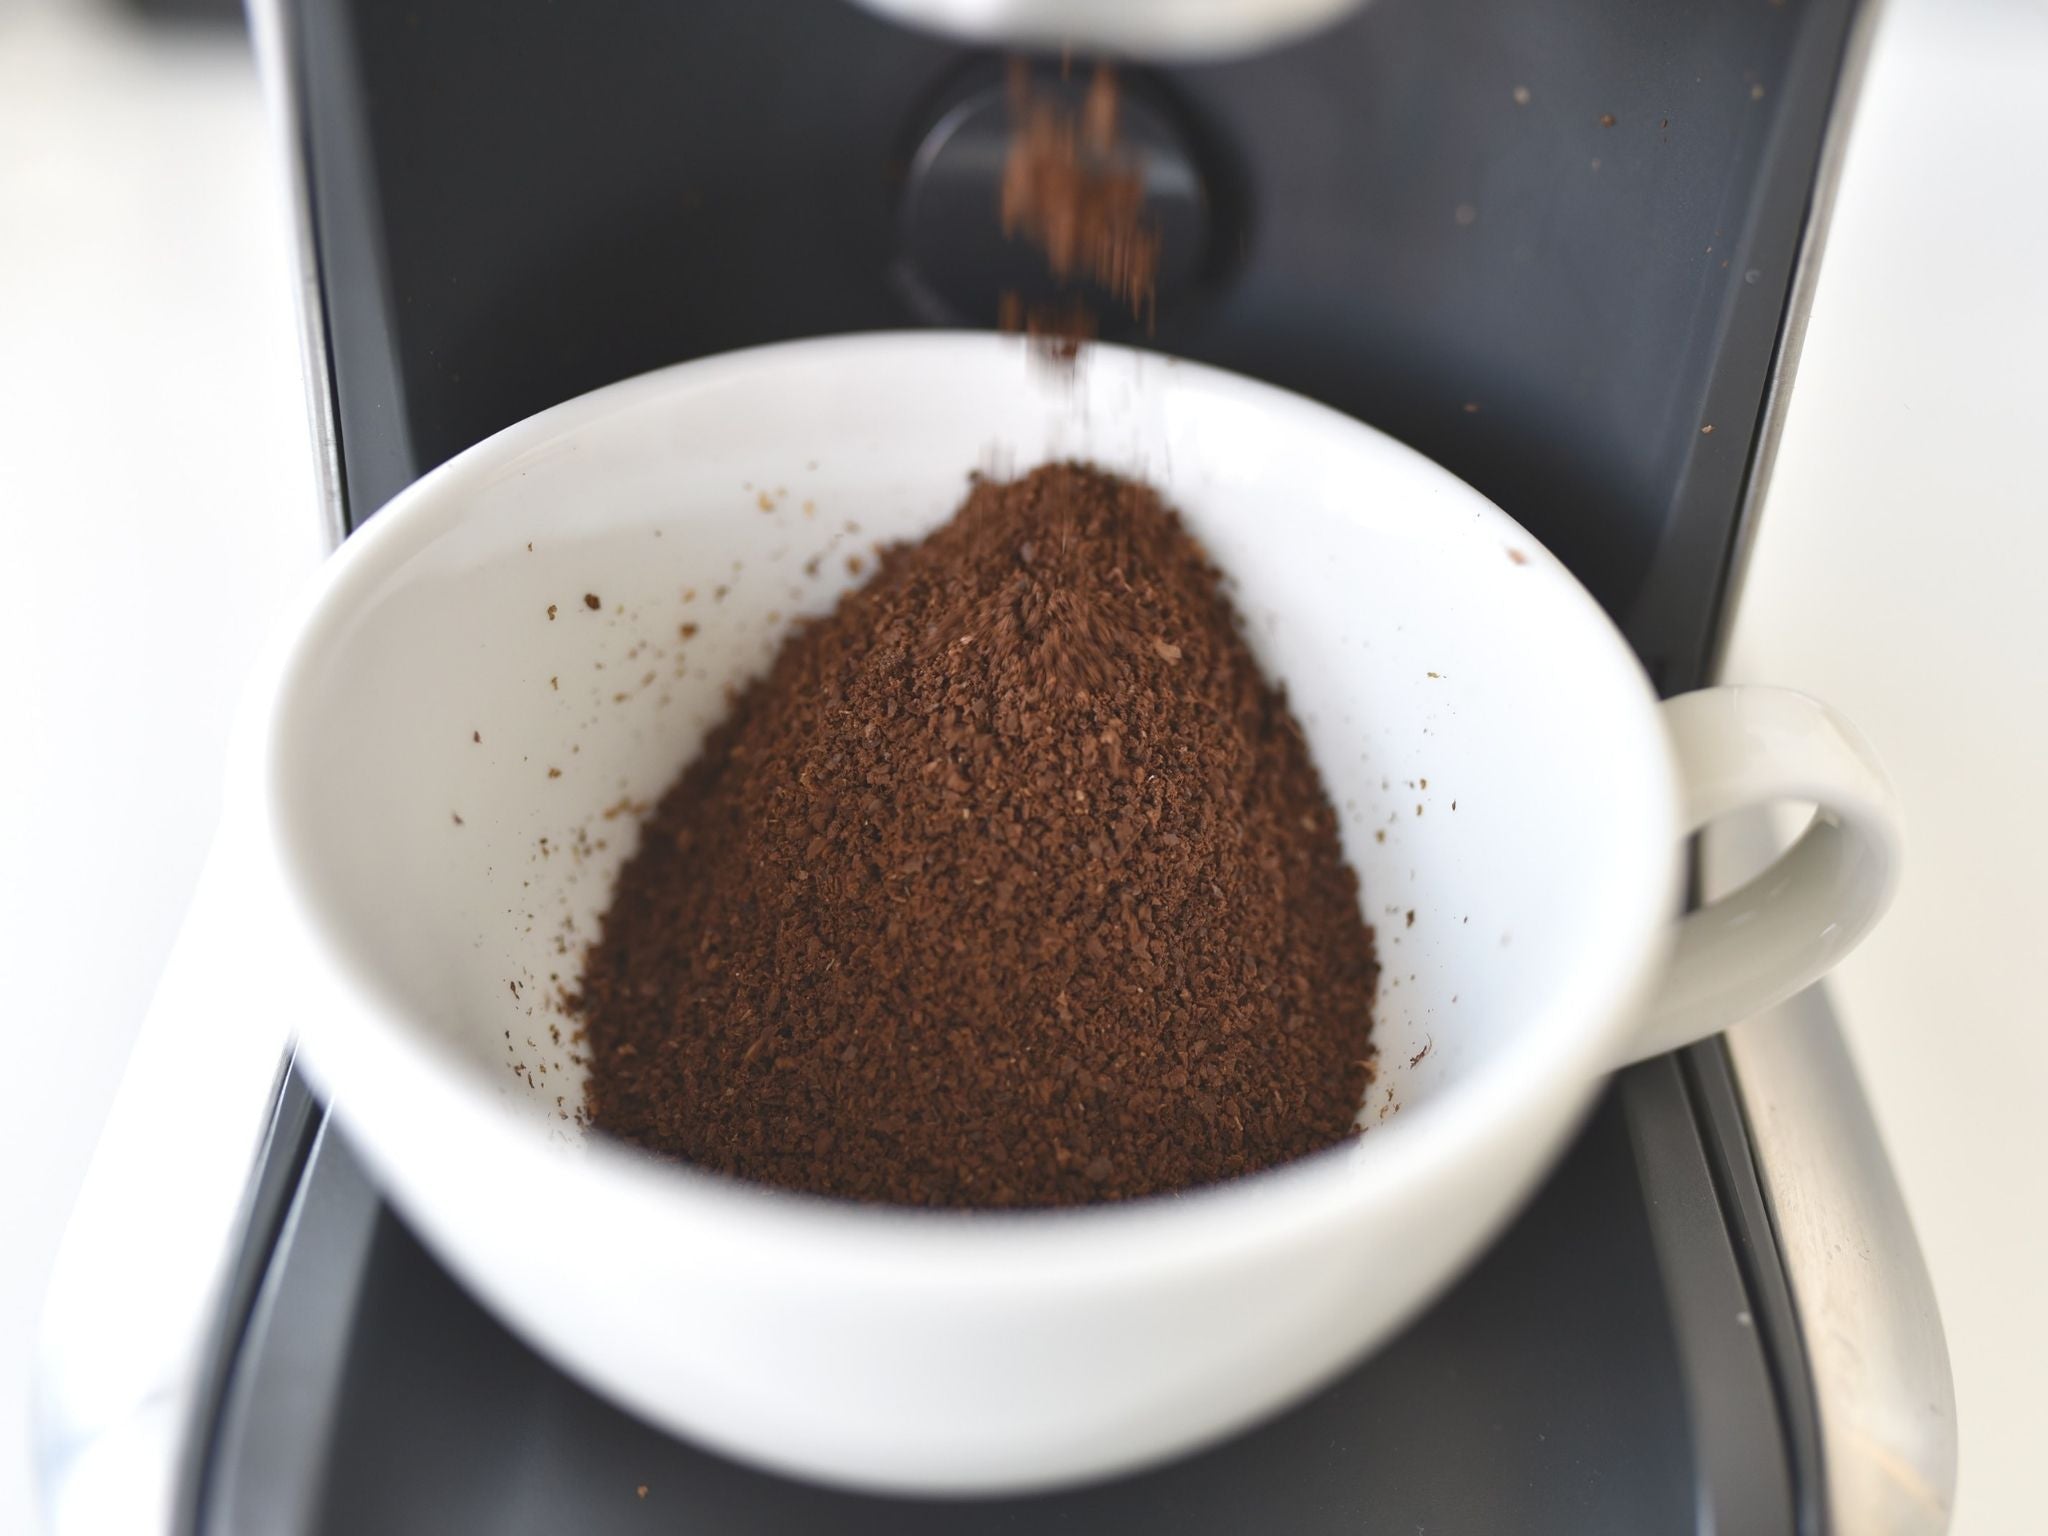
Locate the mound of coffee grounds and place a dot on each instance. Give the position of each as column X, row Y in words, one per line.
column 1011, row 884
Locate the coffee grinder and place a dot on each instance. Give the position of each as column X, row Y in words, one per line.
column 1542, row 241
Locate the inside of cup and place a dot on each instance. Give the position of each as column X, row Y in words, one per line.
column 507, row 674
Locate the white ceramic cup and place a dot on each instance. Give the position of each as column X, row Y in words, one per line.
column 452, row 732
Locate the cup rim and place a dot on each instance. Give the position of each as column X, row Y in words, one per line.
column 1578, row 1034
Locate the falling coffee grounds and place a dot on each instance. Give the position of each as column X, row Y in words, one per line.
column 1010, row 884
column 1074, row 189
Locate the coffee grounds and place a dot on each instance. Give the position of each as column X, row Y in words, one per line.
column 1058, row 328
column 1011, row 884
column 1074, row 188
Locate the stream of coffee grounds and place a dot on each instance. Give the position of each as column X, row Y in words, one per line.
column 1010, row 884
column 1076, row 191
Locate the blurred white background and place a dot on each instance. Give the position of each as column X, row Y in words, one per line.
column 156, row 502
column 1898, row 574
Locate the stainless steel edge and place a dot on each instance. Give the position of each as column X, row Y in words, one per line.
column 1806, row 264
column 1861, row 1290
column 269, row 1412
column 1860, row 1287
column 270, row 31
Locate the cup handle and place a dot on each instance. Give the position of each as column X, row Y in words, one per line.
column 1738, row 747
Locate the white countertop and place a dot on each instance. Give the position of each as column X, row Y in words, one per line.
column 156, row 501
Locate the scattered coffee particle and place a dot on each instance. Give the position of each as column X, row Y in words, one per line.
column 1411, row 917
column 1707, row 430
column 1518, row 557
column 687, row 631
column 592, row 601
column 855, row 565
column 765, row 502
column 1428, row 1045
column 1471, row 407
column 554, row 773
column 977, row 899
column 1606, row 119
column 476, row 736
column 641, row 1489
column 458, row 817
column 551, row 611
column 1521, row 95
column 555, row 683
